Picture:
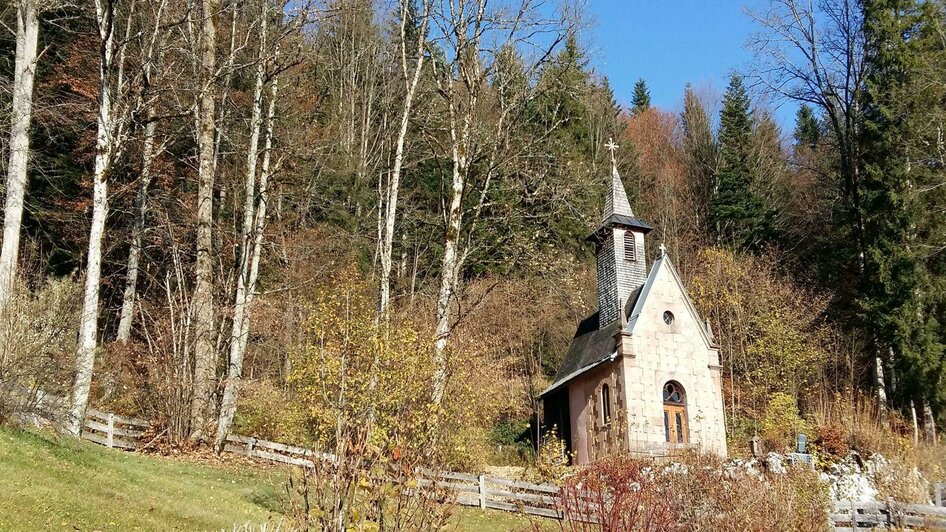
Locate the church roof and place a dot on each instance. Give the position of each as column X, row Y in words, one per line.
column 619, row 219
column 592, row 346
column 617, row 208
column 616, row 201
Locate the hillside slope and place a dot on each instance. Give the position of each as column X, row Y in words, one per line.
column 49, row 482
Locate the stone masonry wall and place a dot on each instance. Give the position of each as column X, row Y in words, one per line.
column 675, row 352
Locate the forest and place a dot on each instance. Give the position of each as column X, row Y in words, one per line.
column 360, row 223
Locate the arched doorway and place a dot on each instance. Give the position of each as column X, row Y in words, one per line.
column 675, row 413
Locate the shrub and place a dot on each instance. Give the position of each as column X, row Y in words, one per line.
column 782, row 422
column 37, row 344
column 693, row 493
column 832, row 440
column 512, row 441
column 616, row 494
column 552, row 460
column 713, row 495
column 363, row 389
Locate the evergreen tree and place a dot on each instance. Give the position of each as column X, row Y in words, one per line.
column 641, row 100
column 699, row 151
column 579, row 115
column 737, row 214
column 900, row 298
column 807, row 129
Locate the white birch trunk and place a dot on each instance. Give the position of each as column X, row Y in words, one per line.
column 250, row 249
column 449, row 266
column 137, row 235
column 411, row 81
column 27, row 36
column 205, row 359
column 880, row 386
column 929, row 423
column 469, row 70
column 88, row 320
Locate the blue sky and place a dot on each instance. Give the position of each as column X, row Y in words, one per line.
column 671, row 42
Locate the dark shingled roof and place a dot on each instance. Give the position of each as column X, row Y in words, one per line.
column 621, row 220
column 591, row 344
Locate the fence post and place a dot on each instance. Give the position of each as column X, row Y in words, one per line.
column 249, row 446
column 110, row 435
column 938, row 493
column 482, row 491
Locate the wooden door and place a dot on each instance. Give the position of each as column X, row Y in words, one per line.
column 675, row 424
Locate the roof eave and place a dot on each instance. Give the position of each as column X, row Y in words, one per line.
column 577, row 373
column 615, row 221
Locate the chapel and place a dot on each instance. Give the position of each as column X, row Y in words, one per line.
column 642, row 374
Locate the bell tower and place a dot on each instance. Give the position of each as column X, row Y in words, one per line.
column 619, row 249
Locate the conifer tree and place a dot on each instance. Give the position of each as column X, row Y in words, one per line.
column 699, row 151
column 807, row 129
column 641, row 100
column 737, row 214
column 899, row 298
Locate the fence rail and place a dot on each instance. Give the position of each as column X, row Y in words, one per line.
column 865, row 515
column 114, row 431
column 470, row 490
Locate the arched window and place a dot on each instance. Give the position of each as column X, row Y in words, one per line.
column 630, row 247
column 675, row 413
column 605, row 404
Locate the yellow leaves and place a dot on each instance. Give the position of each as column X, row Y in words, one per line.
column 770, row 327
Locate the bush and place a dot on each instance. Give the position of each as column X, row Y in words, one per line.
column 551, row 462
column 715, row 496
column 782, row 422
column 832, row 441
column 694, row 493
column 617, row 494
column 37, row 344
column 512, row 441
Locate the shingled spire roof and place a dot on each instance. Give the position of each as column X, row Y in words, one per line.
column 617, row 208
column 616, row 201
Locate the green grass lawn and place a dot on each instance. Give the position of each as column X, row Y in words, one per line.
column 48, row 482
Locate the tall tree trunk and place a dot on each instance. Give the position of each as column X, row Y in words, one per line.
column 929, row 423
column 449, row 269
column 205, row 359
column 88, row 320
column 880, row 386
column 27, row 36
column 411, row 80
column 137, row 233
column 250, row 247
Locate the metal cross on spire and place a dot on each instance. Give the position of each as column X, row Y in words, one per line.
column 612, row 147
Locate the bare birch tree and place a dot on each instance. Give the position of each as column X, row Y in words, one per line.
column 205, row 355
column 109, row 134
column 24, row 72
column 474, row 36
column 254, row 213
column 149, row 152
column 411, row 77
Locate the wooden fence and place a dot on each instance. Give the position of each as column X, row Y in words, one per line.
column 112, row 430
column 850, row 516
column 487, row 492
column 470, row 490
